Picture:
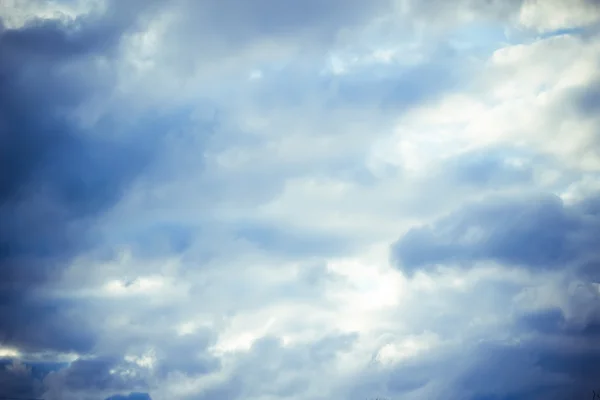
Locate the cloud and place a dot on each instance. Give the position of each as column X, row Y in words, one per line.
column 491, row 168
column 229, row 199
column 16, row 379
column 556, row 15
column 58, row 175
column 41, row 188
column 130, row 396
column 539, row 232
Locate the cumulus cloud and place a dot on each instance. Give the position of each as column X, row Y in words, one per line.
column 302, row 200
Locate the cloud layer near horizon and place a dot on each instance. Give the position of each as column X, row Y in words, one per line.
column 305, row 200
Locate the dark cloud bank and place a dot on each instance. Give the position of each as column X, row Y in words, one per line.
column 56, row 177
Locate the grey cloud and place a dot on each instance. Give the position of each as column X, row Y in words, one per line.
column 552, row 354
column 56, row 175
column 587, row 99
column 546, row 372
column 95, row 374
column 583, row 101
column 551, row 350
column 575, row 314
column 291, row 242
column 110, row 373
column 558, row 343
column 43, row 40
column 33, row 325
column 161, row 238
column 187, row 355
column 39, row 231
column 545, row 321
column 493, row 8
column 270, row 368
column 17, row 379
column 534, row 232
column 581, row 366
column 488, row 370
column 506, row 371
column 590, row 270
column 175, row 237
column 381, row 86
column 554, row 322
column 491, row 167
column 204, row 30
column 95, row 378
column 275, row 18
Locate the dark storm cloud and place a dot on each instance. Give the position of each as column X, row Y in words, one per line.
column 32, row 325
column 55, row 175
column 535, row 232
column 17, row 379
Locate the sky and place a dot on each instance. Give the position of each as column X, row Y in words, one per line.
column 299, row 199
